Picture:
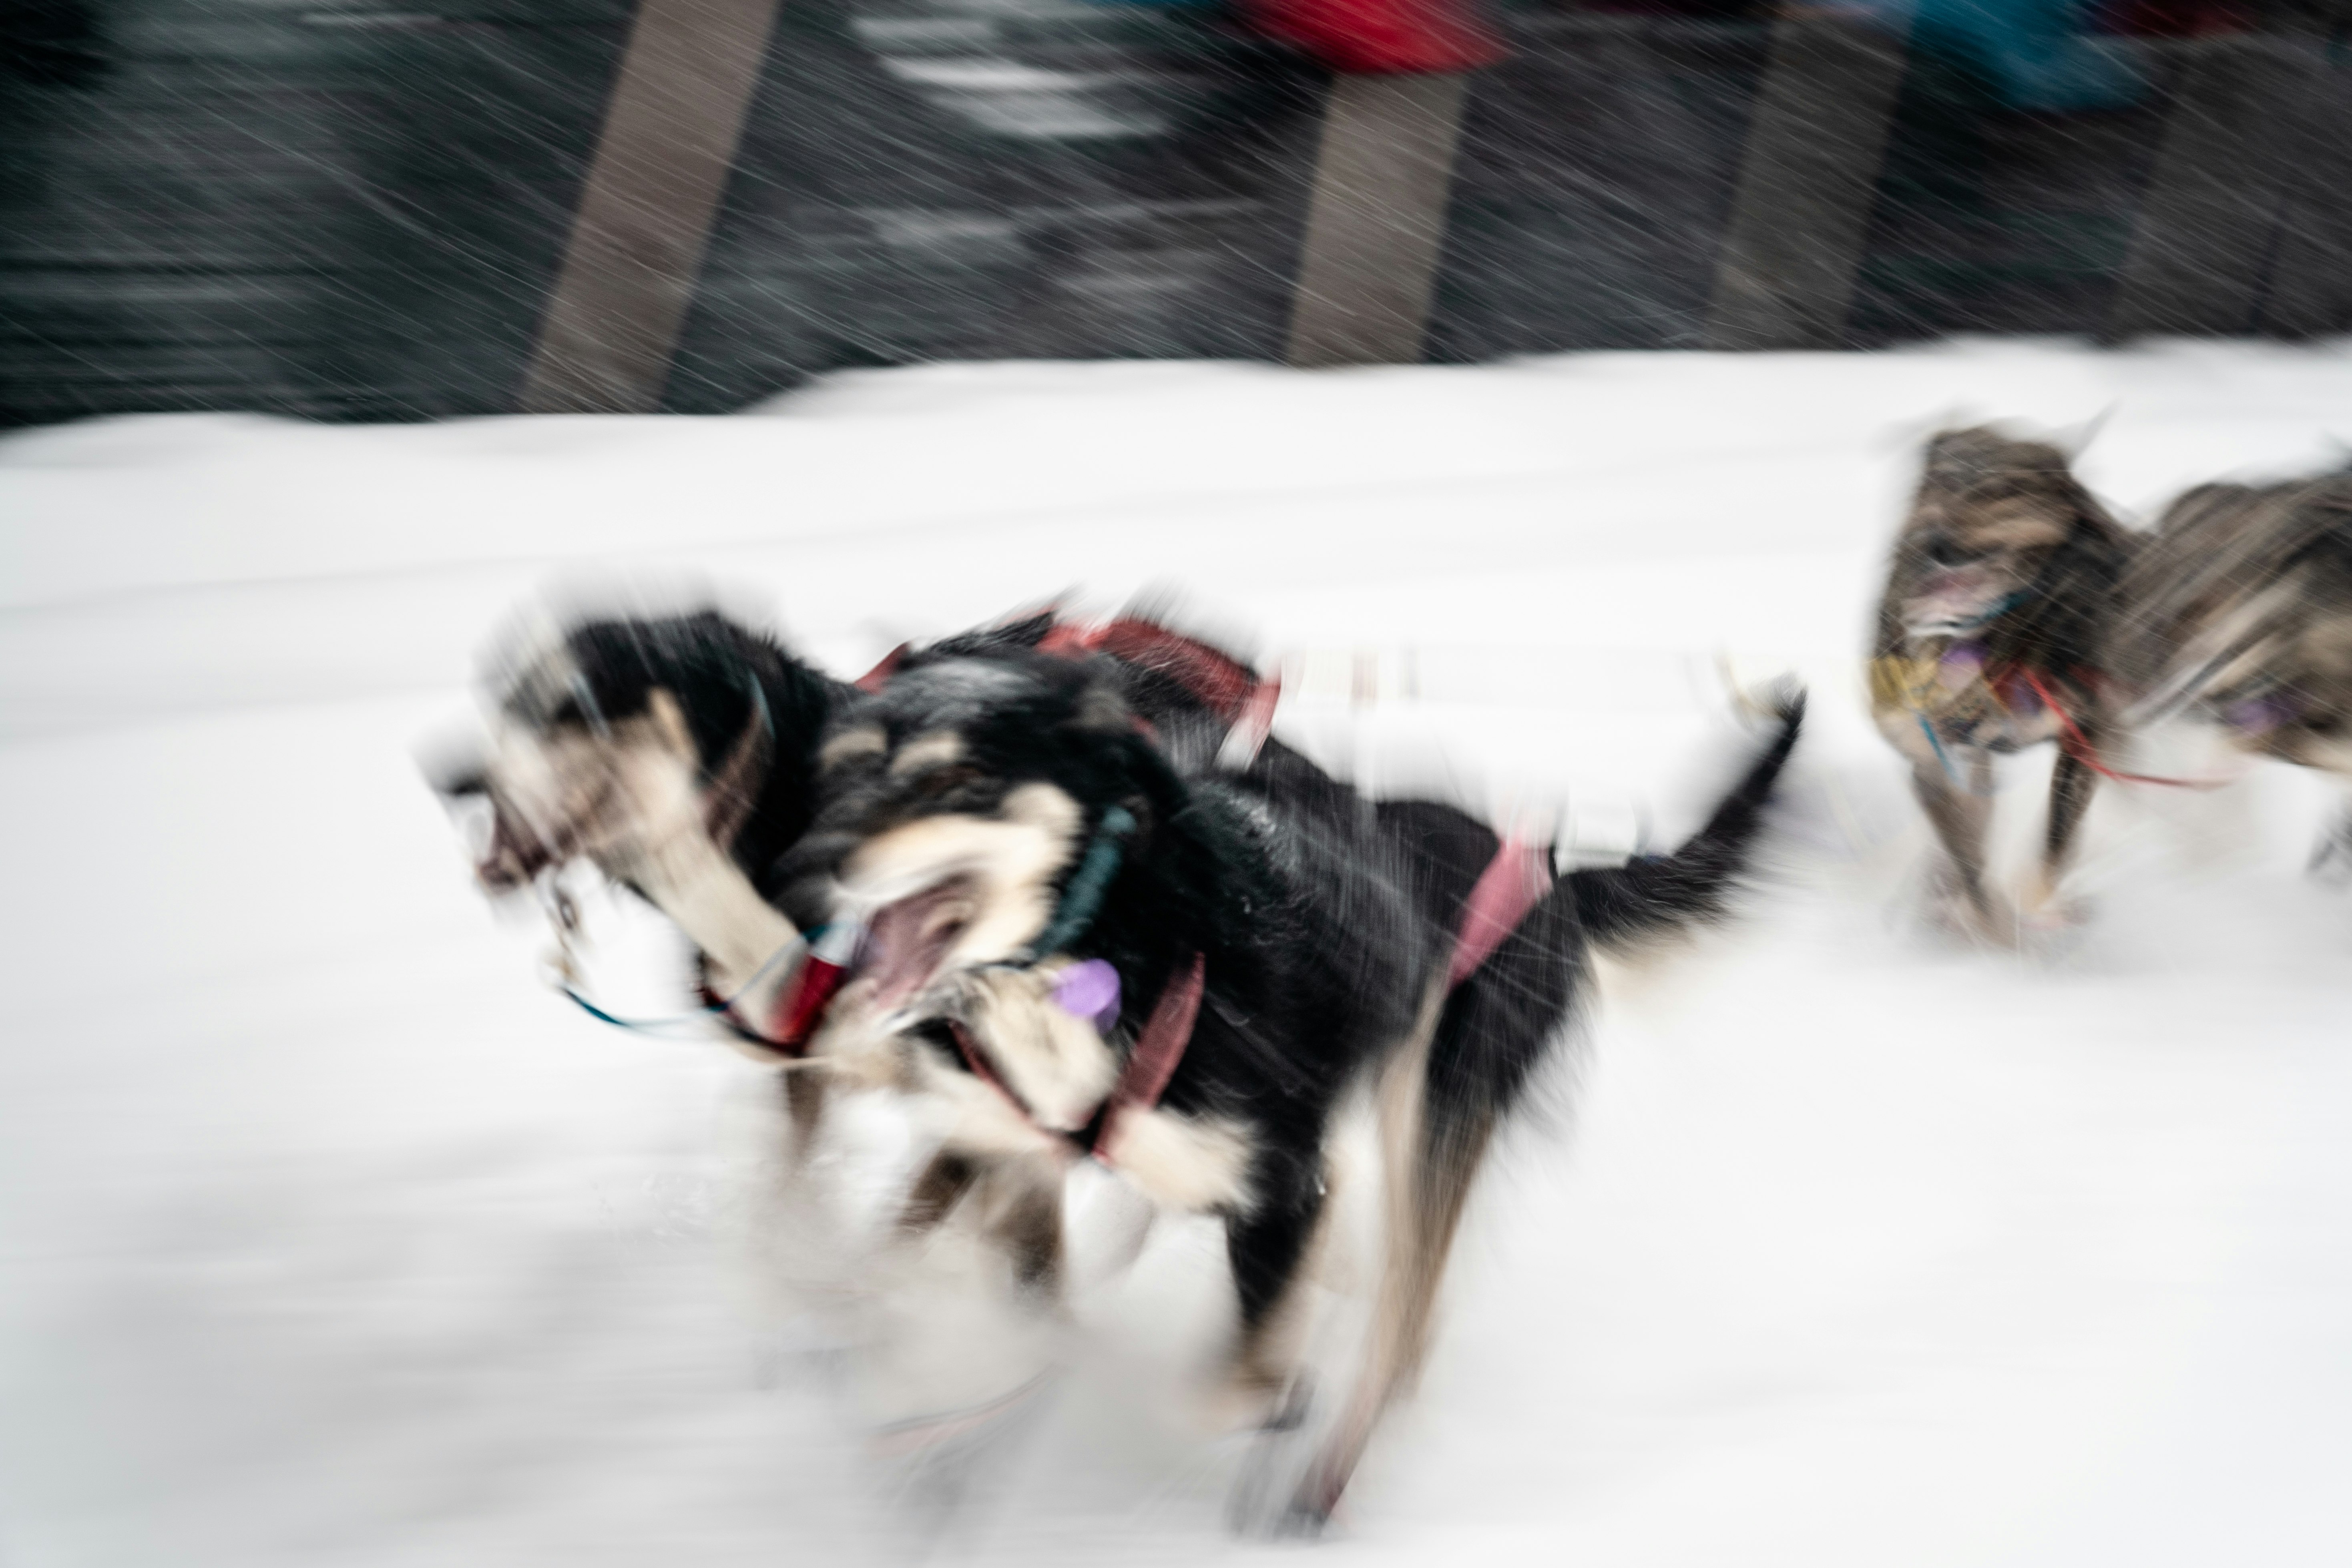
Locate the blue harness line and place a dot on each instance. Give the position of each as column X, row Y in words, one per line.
column 1082, row 899
column 1935, row 744
column 833, row 946
column 708, row 1010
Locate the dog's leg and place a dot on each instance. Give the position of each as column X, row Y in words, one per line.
column 804, row 1097
column 1421, row 1208
column 1029, row 1226
column 2071, row 784
column 936, row 1192
column 1960, row 817
column 1268, row 1248
column 2331, row 859
column 1023, row 1211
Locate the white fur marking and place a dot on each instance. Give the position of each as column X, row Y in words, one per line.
column 1195, row 1163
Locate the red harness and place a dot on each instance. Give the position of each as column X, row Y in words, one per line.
column 2071, row 738
column 1514, row 882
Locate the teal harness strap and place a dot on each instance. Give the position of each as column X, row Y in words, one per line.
column 1082, row 899
column 1935, row 743
column 711, row 1009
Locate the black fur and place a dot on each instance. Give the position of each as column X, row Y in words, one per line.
column 1324, row 920
column 709, row 664
column 1327, row 923
column 1315, row 957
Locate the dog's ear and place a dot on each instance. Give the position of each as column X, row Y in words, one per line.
column 2092, row 519
column 2073, row 440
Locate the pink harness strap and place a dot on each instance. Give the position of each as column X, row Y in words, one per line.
column 1514, row 882
column 875, row 678
column 1156, row 1051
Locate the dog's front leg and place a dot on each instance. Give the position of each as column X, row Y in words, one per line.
column 1960, row 816
column 2331, row 859
column 943, row 1184
column 804, row 1098
column 1027, row 1224
column 2071, row 784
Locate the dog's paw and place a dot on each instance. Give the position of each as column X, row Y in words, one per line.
column 2048, row 919
column 2053, row 935
column 1967, row 918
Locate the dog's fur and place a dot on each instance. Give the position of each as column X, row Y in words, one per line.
column 2005, row 565
column 678, row 755
column 2239, row 610
column 962, row 797
column 1325, row 922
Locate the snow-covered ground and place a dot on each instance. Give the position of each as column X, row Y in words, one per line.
column 329, row 1236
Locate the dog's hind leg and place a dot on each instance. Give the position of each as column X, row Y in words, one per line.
column 1421, row 1207
column 1277, row 1251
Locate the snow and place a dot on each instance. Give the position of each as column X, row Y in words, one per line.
column 328, row 1236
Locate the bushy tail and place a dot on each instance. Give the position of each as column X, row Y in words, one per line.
column 1620, row 904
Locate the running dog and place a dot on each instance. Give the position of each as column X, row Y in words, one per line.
column 2004, row 585
column 685, row 756
column 2241, row 612
column 677, row 754
column 1071, row 946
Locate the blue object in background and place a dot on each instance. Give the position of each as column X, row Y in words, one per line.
column 2035, row 54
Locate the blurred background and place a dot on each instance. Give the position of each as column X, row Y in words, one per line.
column 357, row 209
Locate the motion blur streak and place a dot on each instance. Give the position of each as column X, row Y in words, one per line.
column 327, row 1236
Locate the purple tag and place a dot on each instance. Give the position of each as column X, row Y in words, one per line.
column 1962, row 663
column 2257, row 715
column 1090, row 990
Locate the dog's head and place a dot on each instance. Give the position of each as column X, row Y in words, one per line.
column 2241, row 607
column 1991, row 517
column 959, row 807
column 609, row 737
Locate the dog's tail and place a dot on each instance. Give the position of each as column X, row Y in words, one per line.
column 1620, row 904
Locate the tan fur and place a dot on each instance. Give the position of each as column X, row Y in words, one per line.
column 925, row 752
column 1055, row 1063
column 1011, row 862
column 1415, row 1243
column 866, row 741
column 1194, row 1164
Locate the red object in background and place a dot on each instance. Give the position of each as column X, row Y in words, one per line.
column 1380, row 37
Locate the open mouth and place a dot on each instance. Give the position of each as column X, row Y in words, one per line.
column 1947, row 615
column 909, row 939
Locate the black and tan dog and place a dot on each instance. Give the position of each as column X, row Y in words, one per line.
column 2240, row 611
column 999, row 828
column 1990, row 636
column 688, row 757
